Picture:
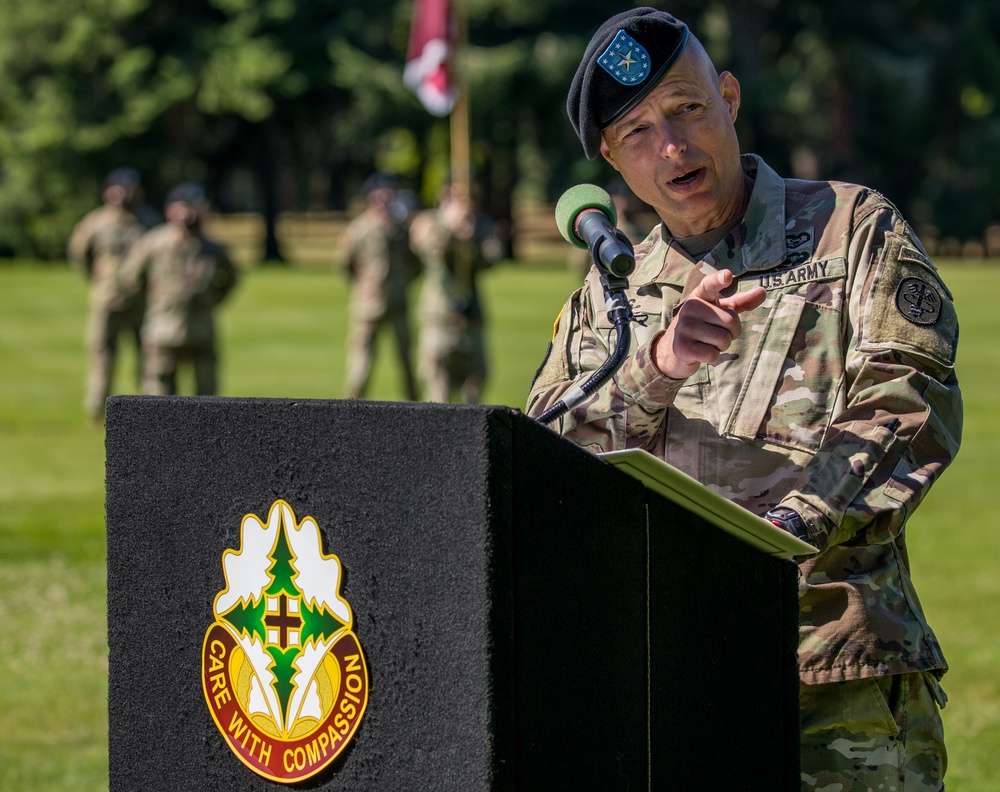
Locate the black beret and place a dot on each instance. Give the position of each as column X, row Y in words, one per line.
column 624, row 60
column 377, row 181
column 123, row 177
column 188, row 192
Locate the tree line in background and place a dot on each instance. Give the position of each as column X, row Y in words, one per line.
column 288, row 105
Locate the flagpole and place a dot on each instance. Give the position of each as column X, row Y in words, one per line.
column 460, row 162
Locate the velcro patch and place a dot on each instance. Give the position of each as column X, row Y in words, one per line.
column 626, row 60
column 910, row 308
column 554, row 367
column 794, row 274
column 918, row 301
column 799, row 245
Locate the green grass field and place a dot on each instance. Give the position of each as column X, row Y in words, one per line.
column 282, row 336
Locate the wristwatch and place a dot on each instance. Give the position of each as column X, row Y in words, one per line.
column 788, row 520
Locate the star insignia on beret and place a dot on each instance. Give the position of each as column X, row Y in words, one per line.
column 625, row 59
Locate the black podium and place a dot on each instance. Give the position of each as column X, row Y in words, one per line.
column 530, row 617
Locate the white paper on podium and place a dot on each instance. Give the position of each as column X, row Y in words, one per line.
column 679, row 487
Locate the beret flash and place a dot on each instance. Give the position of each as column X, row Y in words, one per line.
column 625, row 58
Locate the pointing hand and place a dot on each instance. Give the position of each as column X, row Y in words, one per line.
column 704, row 326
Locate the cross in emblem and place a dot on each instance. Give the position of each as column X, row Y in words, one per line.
column 283, row 620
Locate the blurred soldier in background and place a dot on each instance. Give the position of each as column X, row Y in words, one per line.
column 97, row 247
column 377, row 259
column 183, row 276
column 454, row 244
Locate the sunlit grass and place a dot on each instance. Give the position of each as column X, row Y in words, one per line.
column 283, row 336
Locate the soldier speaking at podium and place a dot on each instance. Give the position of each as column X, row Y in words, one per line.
column 793, row 349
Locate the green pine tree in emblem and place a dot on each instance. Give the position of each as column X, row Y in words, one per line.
column 283, row 621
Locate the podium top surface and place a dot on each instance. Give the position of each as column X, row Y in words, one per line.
column 677, row 486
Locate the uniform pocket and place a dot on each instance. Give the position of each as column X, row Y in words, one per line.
column 856, row 715
column 791, row 385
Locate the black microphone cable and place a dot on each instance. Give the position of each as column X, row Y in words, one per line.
column 621, row 316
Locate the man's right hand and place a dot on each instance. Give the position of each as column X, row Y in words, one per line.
column 704, row 327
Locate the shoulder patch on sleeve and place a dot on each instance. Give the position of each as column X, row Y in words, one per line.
column 909, row 307
column 918, row 301
column 555, row 366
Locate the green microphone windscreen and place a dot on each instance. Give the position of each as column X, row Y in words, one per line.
column 577, row 199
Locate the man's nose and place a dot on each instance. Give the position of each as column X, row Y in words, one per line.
column 672, row 142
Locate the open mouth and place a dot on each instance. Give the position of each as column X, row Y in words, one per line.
column 687, row 177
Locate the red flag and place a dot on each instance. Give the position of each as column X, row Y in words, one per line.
column 428, row 71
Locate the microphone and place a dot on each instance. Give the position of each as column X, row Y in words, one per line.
column 586, row 218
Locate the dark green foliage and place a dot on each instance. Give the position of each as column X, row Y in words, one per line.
column 289, row 104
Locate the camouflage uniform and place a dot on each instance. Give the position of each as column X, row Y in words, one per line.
column 452, row 355
column 378, row 259
column 184, row 277
column 874, row 733
column 839, row 401
column 97, row 247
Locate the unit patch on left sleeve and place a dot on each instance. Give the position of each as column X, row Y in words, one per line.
column 918, row 301
column 910, row 308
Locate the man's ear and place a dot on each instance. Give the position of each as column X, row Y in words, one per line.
column 729, row 87
column 606, row 153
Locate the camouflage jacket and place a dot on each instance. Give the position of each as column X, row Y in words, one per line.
column 839, row 400
column 98, row 246
column 377, row 258
column 184, row 277
column 452, row 262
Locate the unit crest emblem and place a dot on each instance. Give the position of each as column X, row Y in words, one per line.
column 283, row 674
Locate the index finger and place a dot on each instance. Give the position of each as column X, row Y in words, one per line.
column 711, row 287
column 744, row 300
